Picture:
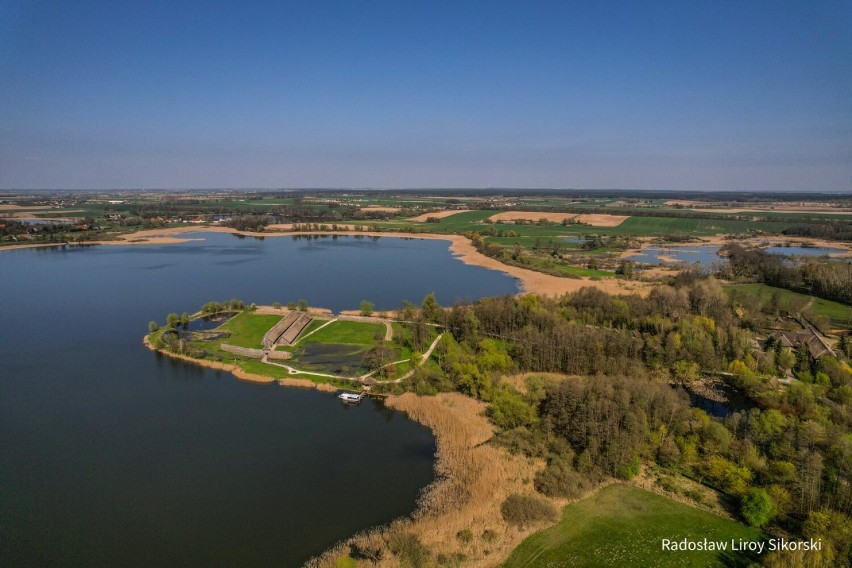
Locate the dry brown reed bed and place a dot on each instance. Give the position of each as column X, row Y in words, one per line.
column 473, row 479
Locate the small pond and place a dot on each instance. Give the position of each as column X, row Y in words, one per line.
column 735, row 402
column 339, row 359
column 208, row 322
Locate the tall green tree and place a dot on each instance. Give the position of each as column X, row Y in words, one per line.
column 431, row 309
column 757, row 507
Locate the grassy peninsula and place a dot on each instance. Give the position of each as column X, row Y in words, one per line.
column 351, row 351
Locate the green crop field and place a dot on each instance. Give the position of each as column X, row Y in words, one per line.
column 693, row 226
column 772, row 215
column 624, row 526
column 247, row 328
column 460, row 222
column 835, row 311
column 530, row 241
column 541, row 231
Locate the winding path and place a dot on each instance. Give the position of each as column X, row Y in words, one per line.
column 422, row 360
column 362, row 378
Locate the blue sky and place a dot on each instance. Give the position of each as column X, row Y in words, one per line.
column 657, row 95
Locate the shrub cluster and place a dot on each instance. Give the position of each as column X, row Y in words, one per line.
column 525, row 510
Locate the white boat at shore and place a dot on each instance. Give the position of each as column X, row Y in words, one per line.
column 351, row 396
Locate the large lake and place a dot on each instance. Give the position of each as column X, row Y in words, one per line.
column 113, row 456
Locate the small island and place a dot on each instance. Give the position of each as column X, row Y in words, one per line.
column 298, row 345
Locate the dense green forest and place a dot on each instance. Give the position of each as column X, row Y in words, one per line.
column 784, row 463
column 827, row 279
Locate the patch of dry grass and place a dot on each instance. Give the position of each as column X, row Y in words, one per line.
column 437, row 214
column 519, row 381
column 380, row 208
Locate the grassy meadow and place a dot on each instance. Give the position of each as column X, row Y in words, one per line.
column 622, row 525
column 788, row 299
column 339, row 348
column 247, row 328
column 361, row 333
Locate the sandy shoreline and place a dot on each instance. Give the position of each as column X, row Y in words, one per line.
column 530, row 281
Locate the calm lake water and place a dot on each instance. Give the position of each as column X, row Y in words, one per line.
column 802, row 251
column 704, row 255
column 113, row 456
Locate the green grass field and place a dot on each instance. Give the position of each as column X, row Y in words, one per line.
column 247, row 328
column 460, row 222
column 835, row 311
column 529, row 242
column 565, row 270
column 624, row 526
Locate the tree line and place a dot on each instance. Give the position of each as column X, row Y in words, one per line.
column 786, row 460
column 831, row 280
